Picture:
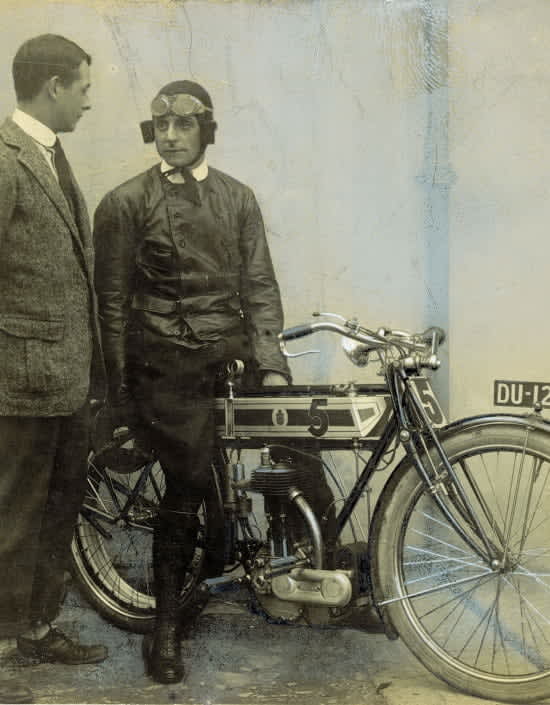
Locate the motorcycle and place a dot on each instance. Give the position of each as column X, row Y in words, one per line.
column 454, row 559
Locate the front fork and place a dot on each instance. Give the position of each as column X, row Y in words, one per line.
column 412, row 439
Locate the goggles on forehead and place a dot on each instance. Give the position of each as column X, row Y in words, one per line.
column 181, row 104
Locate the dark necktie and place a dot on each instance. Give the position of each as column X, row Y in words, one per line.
column 64, row 175
column 190, row 187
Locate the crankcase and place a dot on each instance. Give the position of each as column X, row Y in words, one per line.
column 328, row 588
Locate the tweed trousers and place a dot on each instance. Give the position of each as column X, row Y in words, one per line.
column 42, row 486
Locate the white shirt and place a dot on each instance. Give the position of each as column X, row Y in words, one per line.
column 200, row 172
column 40, row 133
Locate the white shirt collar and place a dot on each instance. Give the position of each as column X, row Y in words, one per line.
column 34, row 128
column 200, row 172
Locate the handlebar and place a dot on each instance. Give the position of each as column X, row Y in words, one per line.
column 297, row 332
column 349, row 330
column 419, row 350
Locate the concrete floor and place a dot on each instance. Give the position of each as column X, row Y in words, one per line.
column 233, row 657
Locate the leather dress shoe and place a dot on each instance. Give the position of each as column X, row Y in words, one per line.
column 12, row 691
column 162, row 654
column 57, row 647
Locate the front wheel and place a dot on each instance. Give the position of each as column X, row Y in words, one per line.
column 478, row 619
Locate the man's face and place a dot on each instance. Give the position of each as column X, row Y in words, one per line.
column 178, row 139
column 73, row 100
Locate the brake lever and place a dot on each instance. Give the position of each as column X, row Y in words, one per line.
column 318, row 314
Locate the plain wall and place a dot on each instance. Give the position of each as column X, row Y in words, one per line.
column 499, row 102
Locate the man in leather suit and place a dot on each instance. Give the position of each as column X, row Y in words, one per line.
column 185, row 282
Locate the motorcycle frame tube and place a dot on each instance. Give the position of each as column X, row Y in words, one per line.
column 364, row 478
column 389, row 434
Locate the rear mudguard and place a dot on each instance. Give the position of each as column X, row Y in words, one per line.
column 531, row 420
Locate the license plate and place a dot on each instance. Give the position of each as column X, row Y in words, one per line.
column 429, row 401
column 515, row 393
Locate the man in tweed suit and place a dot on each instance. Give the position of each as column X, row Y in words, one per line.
column 49, row 344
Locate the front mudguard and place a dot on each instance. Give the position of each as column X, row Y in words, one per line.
column 532, row 420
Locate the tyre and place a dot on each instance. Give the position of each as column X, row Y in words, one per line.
column 483, row 628
column 112, row 545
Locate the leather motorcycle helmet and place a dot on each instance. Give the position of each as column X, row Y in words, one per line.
column 183, row 98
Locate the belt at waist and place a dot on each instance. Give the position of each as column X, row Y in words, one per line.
column 155, row 304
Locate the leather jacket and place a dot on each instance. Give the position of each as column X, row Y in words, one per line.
column 191, row 274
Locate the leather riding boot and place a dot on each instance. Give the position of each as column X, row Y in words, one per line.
column 164, row 660
column 172, row 552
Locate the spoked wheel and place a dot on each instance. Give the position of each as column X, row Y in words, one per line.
column 112, row 544
column 478, row 618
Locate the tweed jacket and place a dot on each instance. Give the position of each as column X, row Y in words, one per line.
column 192, row 274
column 49, row 334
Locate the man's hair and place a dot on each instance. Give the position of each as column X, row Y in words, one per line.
column 42, row 57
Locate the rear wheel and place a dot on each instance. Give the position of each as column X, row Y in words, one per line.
column 482, row 626
column 112, row 545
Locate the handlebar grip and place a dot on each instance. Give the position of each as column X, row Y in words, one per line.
column 296, row 332
column 428, row 333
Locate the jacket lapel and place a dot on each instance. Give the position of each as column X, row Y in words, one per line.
column 29, row 155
